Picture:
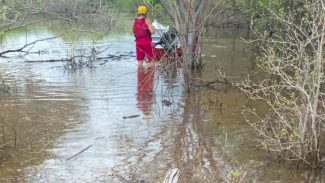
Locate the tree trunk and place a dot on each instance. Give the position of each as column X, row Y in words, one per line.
column 187, row 17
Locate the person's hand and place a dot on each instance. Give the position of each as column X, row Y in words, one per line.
column 151, row 28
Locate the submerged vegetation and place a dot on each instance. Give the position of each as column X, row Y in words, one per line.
column 292, row 58
column 289, row 37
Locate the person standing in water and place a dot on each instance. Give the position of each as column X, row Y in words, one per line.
column 143, row 29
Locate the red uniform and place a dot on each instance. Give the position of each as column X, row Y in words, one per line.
column 143, row 40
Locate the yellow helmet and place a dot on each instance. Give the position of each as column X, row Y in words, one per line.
column 142, row 10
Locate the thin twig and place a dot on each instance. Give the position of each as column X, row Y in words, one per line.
column 83, row 150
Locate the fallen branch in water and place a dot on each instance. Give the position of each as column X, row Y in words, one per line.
column 224, row 81
column 221, row 80
column 5, row 144
column 172, row 176
column 131, row 116
column 21, row 49
column 83, row 150
column 14, row 132
column 70, row 59
column 121, row 178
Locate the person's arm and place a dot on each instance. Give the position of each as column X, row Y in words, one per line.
column 150, row 27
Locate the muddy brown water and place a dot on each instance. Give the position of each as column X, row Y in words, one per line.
column 116, row 122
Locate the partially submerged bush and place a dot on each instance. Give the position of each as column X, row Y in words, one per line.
column 294, row 63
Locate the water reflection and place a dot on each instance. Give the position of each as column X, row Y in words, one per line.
column 145, row 92
column 58, row 114
column 193, row 149
column 39, row 114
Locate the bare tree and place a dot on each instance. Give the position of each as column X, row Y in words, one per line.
column 15, row 15
column 188, row 19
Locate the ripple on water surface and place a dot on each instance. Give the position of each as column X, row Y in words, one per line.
column 75, row 126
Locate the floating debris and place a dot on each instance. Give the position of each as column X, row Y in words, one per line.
column 166, row 102
column 4, row 88
column 132, row 116
column 172, row 176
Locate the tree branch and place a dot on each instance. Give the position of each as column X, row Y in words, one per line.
column 27, row 45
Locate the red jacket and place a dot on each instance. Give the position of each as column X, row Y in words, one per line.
column 141, row 30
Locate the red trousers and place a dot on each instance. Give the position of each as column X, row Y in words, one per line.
column 144, row 48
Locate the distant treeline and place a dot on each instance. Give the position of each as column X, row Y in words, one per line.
column 116, row 3
column 231, row 15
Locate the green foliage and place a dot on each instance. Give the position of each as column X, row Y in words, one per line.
column 3, row 11
column 235, row 174
column 291, row 54
column 125, row 4
column 149, row 2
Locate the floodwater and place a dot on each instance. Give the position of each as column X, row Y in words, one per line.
column 111, row 121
